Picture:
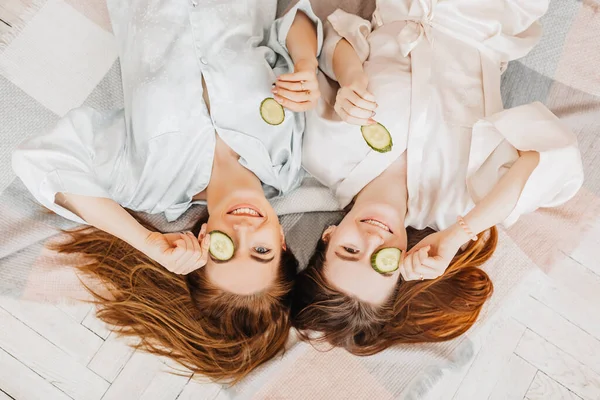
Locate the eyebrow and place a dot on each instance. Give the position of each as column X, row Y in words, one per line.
column 260, row 260
column 346, row 258
column 387, row 275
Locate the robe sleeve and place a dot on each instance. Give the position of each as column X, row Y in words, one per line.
column 532, row 127
column 281, row 27
column 62, row 159
column 342, row 25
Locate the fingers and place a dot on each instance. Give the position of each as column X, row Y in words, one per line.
column 297, row 86
column 185, row 254
column 354, row 109
column 344, row 115
column 298, row 106
column 297, row 76
column 419, row 266
column 359, row 101
column 298, row 97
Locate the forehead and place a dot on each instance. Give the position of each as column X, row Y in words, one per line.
column 357, row 279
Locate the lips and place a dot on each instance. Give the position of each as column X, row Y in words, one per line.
column 376, row 223
column 244, row 210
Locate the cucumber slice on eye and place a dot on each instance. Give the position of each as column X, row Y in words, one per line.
column 271, row 111
column 386, row 260
column 377, row 137
column 221, row 246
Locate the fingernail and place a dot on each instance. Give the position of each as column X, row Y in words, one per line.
column 372, row 121
column 274, row 90
column 372, row 115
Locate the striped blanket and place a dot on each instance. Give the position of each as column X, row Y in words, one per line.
column 60, row 54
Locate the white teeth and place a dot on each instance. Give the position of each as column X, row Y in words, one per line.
column 245, row 211
column 377, row 224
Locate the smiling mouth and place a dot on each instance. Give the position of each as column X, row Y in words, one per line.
column 245, row 211
column 378, row 224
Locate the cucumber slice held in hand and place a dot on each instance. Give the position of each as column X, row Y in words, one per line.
column 221, row 246
column 377, row 137
column 271, row 111
column 386, row 260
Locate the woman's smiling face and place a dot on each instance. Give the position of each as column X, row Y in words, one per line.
column 258, row 239
column 366, row 229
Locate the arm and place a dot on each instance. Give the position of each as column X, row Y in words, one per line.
column 180, row 253
column 432, row 255
column 107, row 215
column 497, row 205
column 301, row 41
column 354, row 104
column 299, row 91
column 347, row 66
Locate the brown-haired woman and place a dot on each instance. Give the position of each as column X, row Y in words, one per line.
column 220, row 312
column 454, row 161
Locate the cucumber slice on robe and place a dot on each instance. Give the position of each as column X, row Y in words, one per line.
column 377, row 137
column 271, row 111
column 386, row 260
column 221, row 246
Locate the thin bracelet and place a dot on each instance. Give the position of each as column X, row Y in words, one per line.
column 466, row 228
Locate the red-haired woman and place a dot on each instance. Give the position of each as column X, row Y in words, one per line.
column 195, row 128
column 437, row 151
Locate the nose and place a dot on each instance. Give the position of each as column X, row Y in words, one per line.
column 374, row 239
column 245, row 224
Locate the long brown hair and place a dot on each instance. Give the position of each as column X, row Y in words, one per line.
column 210, row 331
column 417, row 311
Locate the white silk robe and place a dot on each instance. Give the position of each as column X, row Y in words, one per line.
column 434, row 68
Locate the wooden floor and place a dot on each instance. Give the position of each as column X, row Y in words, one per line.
column 544, row 344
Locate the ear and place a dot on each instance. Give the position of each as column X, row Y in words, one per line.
column 202, row 233
column 283, row 245
column 328, row 232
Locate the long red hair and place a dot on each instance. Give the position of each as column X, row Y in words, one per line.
column 210, row 331
column 417, row 311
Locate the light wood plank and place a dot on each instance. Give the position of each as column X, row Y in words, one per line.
column 545, row 388
column 48, row 360
column 55, row 326
column 453, row 375
column 577, row 278
column 587, row 251
column 559, row 366
column 514, row 380
column 568, row 304
column 166, row 385
column 112, row 356
column 199, row 388
column 20, row 382
column 76, row 311
column 490, row 361
column 95, row 325
column 137, row 375
column 560, row 332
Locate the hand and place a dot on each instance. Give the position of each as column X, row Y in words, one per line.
column 180, row 253
column 354, row 104
column 298, row 91
column 430, row 257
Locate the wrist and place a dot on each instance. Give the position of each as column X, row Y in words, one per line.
column 140, row 239
column 355, row 78
column 457, row 236
column 306, row 64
